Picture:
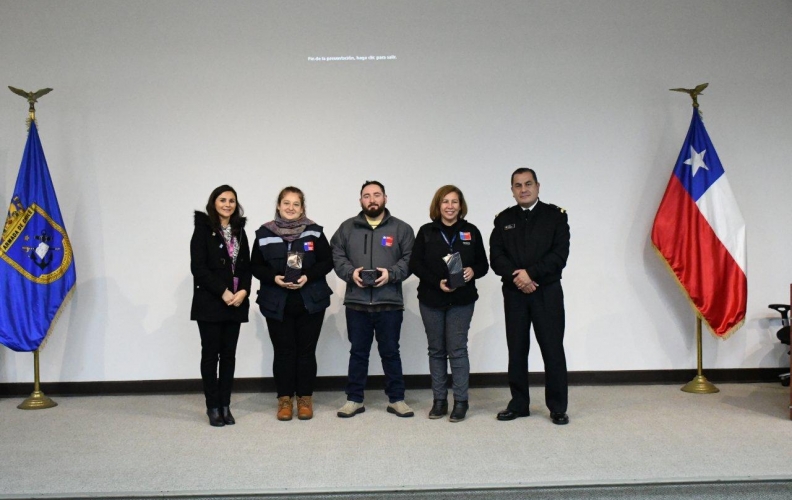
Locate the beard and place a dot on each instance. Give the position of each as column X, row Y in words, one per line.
column 372, row 212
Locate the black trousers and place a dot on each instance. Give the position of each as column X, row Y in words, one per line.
column 543, row 308
column 218, row 346
column 294, row 341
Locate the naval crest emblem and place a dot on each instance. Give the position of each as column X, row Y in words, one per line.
column 34, row 244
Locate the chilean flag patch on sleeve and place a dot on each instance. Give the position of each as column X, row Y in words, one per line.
column 308, row 246
column 387, row 241
column 465, row 236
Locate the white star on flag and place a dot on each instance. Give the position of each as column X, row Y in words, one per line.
column 696, row 160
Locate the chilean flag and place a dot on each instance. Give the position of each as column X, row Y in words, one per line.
column 700, row 233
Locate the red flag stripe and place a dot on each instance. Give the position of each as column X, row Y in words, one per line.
column 715, row 283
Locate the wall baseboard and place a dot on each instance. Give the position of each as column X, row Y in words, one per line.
column 377, row 382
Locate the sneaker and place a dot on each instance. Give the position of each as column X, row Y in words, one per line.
column 350, row 409
column 400, row 409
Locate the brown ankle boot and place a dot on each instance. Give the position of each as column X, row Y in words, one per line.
column 304, row 407
column 285, row 407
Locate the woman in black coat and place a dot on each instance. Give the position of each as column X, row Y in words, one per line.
column 220, row 265
column 293, row 302
column 447, row 312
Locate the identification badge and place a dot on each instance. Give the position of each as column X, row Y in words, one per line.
column 308, row 246
column 387, row 241
column 465, row 236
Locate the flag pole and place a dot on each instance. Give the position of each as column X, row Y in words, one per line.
column 37, row 399
column 699, row 384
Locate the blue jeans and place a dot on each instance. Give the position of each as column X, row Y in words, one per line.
column 447, row 336
column 362, row 327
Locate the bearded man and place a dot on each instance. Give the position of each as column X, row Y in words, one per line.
column 371, row 253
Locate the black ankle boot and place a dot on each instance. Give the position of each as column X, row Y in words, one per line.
column 227, row 417
column 459, row 411
column 439, row 408
column 215, row 419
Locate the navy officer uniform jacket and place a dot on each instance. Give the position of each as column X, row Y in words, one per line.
column 537, row 241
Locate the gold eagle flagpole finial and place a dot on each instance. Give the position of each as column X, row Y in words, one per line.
column 694, row 93
column 32, row 98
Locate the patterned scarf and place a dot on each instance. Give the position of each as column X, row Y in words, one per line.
column 231, row 243
column 289, row 230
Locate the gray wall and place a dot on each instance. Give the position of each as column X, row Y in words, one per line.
column 156, row 103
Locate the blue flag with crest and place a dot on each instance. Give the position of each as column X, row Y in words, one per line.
column 36, row 262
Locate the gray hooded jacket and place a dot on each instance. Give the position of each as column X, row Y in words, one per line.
column 355, row 244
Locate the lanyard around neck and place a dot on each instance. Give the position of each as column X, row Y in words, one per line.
column 449, row 243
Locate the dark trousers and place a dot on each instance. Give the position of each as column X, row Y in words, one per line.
column 294, row 341
column 218, row 346
column 543, row 308
column 362, row 328
column 447, row 338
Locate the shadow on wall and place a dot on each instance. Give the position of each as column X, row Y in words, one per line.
column 488, row 342
column 772, row 352
column 177, row 337
column 655, row 277
column 84, row 338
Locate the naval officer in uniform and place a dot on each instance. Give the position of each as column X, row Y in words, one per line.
column 529, row 247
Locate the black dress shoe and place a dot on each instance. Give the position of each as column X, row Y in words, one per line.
column 227, row 417
column 459, row 411
column 508, row 414
column 215, row 419
column 559, row 418
column 439, row 408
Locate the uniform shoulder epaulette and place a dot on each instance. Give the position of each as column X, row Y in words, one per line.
column 562, row 210
column 502, row 212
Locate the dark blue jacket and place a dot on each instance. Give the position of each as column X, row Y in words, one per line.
column 268, row 259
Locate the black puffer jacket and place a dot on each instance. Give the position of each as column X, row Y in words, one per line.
column 212, row 274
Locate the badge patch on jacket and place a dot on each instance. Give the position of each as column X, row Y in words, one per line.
column 465, row 236
column 387, row 241
column 308, row 246
column 510, row 226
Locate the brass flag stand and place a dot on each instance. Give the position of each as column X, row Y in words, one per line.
column 699, row 384
column 37, row 399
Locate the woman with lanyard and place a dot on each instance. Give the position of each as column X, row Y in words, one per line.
column 446, row 312
column 291, row 256
column 220, row 265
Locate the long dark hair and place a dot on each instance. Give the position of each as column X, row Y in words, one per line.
column 237, row 219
